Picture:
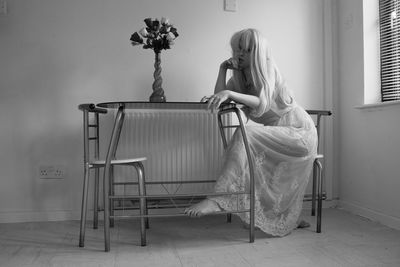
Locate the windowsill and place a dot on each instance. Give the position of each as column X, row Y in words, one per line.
column 379, row 105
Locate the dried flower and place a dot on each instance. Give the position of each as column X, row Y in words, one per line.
column 143, row 32
column 164, row 21
column 157, row 35
column 136, row 39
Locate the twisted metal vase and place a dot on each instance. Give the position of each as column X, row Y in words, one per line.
column 158, row 92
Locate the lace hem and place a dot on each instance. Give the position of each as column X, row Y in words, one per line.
column 271, row 222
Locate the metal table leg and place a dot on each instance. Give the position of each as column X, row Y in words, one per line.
column 250, row 161
column 119, row 119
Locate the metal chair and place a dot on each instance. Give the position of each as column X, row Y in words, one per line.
column 318, row 172
column 92, row 161
column 227, row 130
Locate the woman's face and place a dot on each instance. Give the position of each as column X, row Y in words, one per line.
column 243, row 56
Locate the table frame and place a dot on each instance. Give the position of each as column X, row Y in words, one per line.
column 113, row 144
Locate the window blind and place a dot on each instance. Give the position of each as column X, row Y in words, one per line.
column 389, row 20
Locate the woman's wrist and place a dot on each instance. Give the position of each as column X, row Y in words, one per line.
column 223, row 66
column 230, row 93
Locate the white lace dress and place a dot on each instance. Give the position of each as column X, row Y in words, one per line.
column 283, row 148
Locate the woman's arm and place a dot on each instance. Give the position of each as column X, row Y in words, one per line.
column 250, row 101
column 217, row 99
column 220, row 85
column 223, row 93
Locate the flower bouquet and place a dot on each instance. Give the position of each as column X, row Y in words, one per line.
column 157, row 35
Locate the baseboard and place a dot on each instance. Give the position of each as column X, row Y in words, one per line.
column 387, row 220
column 37, row 216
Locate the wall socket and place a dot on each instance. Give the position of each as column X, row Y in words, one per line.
column 52, row 171
column 230, row 5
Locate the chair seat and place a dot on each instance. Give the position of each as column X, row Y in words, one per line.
column 101, row 163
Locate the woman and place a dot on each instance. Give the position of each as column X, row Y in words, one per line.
column 283, row 142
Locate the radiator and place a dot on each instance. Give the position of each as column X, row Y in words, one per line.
column 180, row 145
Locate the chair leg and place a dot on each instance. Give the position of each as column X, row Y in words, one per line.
column 146, row 212
column 107, row 206
column 108, row 173
column 112, row 193
column 314, row 188
column 319, row 204
column 84, row 207
column 106, row 213
column 96, row 200
column 143, row 207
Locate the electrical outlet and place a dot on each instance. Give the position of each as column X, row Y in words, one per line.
column 52, row 171
column 230, row 5
column 59, row 172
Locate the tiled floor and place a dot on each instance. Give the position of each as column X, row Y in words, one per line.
column 346, row 240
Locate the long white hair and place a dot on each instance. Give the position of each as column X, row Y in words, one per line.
column 265, row 75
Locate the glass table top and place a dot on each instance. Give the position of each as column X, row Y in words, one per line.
column 158, row 105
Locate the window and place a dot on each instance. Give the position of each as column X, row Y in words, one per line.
column 389, row 20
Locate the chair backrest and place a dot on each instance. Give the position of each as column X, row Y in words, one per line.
column 91, row 121
column 318, row 114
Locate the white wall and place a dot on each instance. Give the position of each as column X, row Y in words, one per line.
column 56, row 54
column 368, row 139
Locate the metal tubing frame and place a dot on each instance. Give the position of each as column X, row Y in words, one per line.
column 142, row 194
column 318, row 172
column 177, row 196
column 108, row 180
column 314, row 188
column 96, row 176
column 111, row 192
column 173, row 214
column 143, row 206
column 236, row 110
column 107, row 174
column 320, row 179
column 225, row 143
column 87, row 109
column 85, row 180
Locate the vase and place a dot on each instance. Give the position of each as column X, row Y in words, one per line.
column 158, row 92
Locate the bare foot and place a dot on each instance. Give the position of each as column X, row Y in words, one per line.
column 204, row 207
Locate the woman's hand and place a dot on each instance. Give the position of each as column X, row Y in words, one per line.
column 205, row 99
column 231, row 63
column 217, row 99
